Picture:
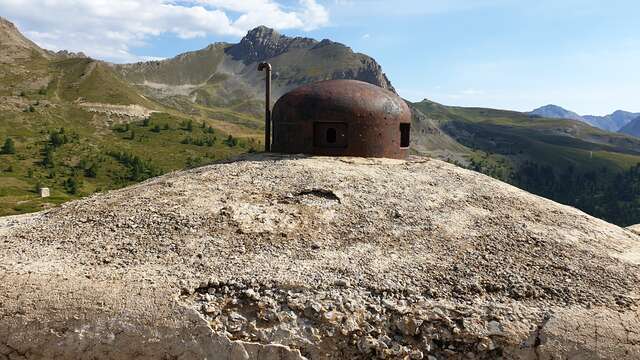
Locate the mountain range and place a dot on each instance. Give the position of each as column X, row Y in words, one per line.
column 615, row 122
column 632, row 127
column 224, row 75
column 82, row 125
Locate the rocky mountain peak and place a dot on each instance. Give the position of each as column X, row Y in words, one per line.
column 64, row 54
column 262, row 34
column 14, row 45
column 8, row 32
column 626, row 115
column 296, row 60
column 555, row 112
column 6, row 23
column 263, row 43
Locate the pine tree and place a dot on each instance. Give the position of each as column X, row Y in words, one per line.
column 72, row 185
column 47, row 159
column 91, row 171
column 9, row 147
column 58, row 138
column 231, row 141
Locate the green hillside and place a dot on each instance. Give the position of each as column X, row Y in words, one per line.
column 56, row 133
column 567, row 161
column 92, row 81
column 60, row 143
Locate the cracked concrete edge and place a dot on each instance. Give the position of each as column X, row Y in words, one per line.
column 535, row 340
column 578, row 333
column 572, row 333
column 81, row 319
column 103, row 338
column 635, row 229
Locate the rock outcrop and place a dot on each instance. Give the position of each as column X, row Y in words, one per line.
column 274, row 257
column 14, row 46
column 65, row 54
column 263, row 43
column 131, row 111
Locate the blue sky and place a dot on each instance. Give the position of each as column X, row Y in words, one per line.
column 583, row 55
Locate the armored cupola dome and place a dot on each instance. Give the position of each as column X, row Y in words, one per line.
column 342, row 118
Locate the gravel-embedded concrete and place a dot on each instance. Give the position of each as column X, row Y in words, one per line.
column 274, row 257
column 635, row 229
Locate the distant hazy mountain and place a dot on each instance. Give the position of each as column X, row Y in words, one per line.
column 632, row 128
column 612, row 122
column 556, row 112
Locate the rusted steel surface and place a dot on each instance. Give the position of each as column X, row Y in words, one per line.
column 266, row 67
column 341, row 118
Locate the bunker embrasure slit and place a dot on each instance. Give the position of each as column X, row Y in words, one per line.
column 405, row 135
column 330, row 135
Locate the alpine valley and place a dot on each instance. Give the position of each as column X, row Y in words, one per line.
column 79, row 125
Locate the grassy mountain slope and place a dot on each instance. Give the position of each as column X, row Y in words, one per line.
column 78, row 127
column 520, row 137
column 92, row 81
column 165, row 141
column 90, row 153
column 191, row 68
column 565, row 160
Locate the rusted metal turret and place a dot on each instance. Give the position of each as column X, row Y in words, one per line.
column 342, row 118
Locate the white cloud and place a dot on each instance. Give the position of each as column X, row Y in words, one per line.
column 368, row 8
column 109, row 29
column 309, row 16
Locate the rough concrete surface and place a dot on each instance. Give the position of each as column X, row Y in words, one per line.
column 274, row 257
column 635, row 229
